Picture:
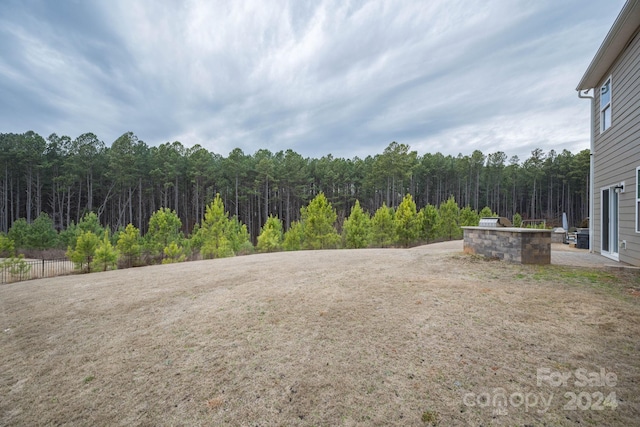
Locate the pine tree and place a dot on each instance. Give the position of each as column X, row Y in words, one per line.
column 129, row 244
column 319, row 218
column 487, row 213
column 173, row 253
column 449, row 215
column 106, row 256
column 468, row 217
column 19, row 233
column 164, row 228
column 271, row 236
column 430, row 223
column 90, row 222
column 293, row 237
column 356, row 229
column 218, row 235
column 41, row 233
column 213, row 234
column 239, row 237
column 383, row 230
column 406, row 221
column 85, row 250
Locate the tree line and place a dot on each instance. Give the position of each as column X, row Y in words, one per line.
column 93, row 247
column 128, row 181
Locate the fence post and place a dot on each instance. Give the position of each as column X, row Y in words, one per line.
column 43, row 267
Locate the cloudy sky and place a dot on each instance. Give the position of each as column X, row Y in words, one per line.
column 345, row 77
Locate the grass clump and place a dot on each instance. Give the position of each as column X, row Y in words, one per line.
column 430, row 417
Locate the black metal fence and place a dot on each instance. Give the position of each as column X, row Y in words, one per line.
column 17, row 269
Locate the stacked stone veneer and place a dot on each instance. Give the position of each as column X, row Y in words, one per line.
column 519, row 245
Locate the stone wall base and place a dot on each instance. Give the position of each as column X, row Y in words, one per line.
column 518, row 245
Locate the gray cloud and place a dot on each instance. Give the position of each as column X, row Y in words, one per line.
column 345, row 78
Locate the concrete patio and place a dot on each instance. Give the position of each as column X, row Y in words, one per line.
column 561, row 254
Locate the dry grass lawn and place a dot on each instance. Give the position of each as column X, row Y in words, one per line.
column 406, row 337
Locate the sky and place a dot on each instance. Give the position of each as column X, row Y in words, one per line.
column 343, row 77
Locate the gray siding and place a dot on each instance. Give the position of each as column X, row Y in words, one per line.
column 617, row 150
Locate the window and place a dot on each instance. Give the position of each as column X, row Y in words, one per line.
column 638, row 200
column 605, row 105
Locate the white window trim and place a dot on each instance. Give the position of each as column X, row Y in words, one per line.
column 637, row 199
column 608, row 105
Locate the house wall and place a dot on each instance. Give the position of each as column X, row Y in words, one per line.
column 617, row 150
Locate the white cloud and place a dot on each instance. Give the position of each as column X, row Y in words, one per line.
column 340, row 77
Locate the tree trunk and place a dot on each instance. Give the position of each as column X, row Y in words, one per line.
column 288, row 211
column 266, row 199
column 38, row 194
column 5, row 218
column 197, row 200
column 68, row 205
column 90, row 191
column 28, row 202
column 79, row 202
column 236, row 195
column 130, row 203
column 139, row 203
column 175, row 192
column 533, row 201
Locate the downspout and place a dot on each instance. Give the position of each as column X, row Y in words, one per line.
column 583, row 94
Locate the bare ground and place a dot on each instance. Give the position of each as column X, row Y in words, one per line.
column 419, row 336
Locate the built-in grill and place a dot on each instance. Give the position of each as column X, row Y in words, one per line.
column 497, row 221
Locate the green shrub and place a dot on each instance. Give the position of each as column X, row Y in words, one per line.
column 7, row 247
column 173, row 253
column 517, row 220
column 293, row 237
column 19, row 233
column 41, row 233
column 16, row 266
column 469, row 217
column 487, row 213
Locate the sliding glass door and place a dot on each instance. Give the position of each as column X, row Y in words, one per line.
column 609, row 224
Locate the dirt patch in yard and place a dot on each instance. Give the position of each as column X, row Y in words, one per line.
column 382, row 337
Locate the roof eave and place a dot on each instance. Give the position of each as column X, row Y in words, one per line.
column 625, row 26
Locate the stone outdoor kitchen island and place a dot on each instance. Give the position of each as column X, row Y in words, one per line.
column 519, row 245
